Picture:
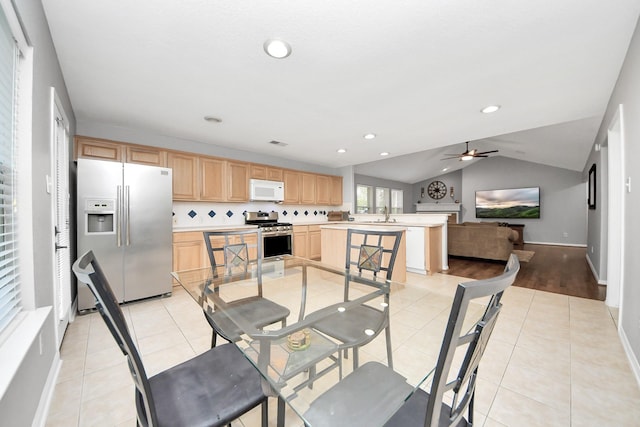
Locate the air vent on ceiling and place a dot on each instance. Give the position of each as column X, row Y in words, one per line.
column 278, row 143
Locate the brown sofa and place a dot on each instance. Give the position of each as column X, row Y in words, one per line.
column 486, row 240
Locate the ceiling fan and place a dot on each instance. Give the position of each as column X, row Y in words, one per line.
column 469, row 154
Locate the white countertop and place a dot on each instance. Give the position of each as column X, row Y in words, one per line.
column 214, row 228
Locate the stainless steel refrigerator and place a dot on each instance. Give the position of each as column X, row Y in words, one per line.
column 125, row 217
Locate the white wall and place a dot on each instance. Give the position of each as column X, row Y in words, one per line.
column 627, row 93
column 28, row 388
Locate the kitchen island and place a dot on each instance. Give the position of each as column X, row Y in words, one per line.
column 334, row 245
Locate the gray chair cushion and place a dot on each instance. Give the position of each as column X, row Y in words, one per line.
column 358, row 400
column 211, row 389
column 349, row 326
column 259, row 310
column 414, row 413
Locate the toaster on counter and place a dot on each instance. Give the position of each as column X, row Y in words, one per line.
column 338, row 216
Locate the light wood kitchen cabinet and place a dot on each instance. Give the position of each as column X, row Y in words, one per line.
column 145, row 155
column 94, row 148
column 335, row 194
column 307, row 241
column 291, row 187
column 323, row 190
column 307, row 188
column 189, row 251
column 237, row 182
column 185, row 175
column 213, row 179
column 314, row 242
column 300, row 240
column 266, row 172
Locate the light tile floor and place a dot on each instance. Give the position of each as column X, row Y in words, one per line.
column 553, row 360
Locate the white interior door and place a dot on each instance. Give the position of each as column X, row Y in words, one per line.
column 60, row 200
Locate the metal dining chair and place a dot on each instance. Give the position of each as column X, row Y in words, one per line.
column 234, row 251
column 362, row 398
column 211, row 389
column 372, row 251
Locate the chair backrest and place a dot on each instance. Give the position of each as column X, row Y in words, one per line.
column 88, row 271
column 463, row 385
column 377, row 250
column 235, row 250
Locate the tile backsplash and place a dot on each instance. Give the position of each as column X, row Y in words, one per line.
column 205, row 214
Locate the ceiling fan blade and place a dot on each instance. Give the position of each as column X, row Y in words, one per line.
column 487, row 152
column 449, row 158
column 450, row 154
column 480, row 155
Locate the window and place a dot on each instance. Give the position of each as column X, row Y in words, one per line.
column 10, row 304
column 364, row 199
column 382, row 200
column 396, row 201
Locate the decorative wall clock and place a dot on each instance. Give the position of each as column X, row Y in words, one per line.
column 437, row 190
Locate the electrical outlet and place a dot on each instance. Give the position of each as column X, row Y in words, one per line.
column 591, row 249
column 565, row 234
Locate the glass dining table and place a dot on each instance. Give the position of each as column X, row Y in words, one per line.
column 297, row 362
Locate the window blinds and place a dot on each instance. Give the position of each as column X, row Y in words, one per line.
column 9, row 273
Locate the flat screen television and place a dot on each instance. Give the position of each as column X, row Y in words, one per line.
column 508, row 203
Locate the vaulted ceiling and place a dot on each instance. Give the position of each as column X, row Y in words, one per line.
column 415, row 73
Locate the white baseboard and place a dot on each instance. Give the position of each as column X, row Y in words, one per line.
column 40, row 417
column 594, row 272
column 633, row 360
column 575, row 245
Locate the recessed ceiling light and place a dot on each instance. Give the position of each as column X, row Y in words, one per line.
column 341, row 150
column 277, row 48
column 384, row 153
column 212, row 119
column 490, row 109
column 445, row 169
column 369, row 136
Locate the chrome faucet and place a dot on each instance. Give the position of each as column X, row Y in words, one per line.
column 386, row 214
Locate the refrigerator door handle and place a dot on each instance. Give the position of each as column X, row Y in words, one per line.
column 127, row 218
column 119, row 215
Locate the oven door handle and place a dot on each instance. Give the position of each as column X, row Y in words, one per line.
column 285, row 233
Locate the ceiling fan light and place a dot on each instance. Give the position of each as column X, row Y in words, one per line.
column 466, row 157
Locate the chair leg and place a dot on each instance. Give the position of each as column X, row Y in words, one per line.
column 214, row 336
column 265, row 413
column 355, row 358
column 387, row 332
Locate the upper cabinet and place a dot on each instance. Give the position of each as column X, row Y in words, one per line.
column 146, row 155
column 323, row 189
column 291, row 187
column 102, row 149
column 185, row 175
column 223, row 181
column 94, row 148
column 213, row 179
column 335, row 195
column 266, row 172
column 237, row 181
column 307, row 188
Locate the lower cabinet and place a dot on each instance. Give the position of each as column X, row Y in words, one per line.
column 307, row 241
column 189, row 251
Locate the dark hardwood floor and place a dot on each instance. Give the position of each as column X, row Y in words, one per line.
column 559, row 269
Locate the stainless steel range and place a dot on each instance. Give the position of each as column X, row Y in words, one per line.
column 276, row 236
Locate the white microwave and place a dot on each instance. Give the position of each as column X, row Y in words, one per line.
column 266, row 191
